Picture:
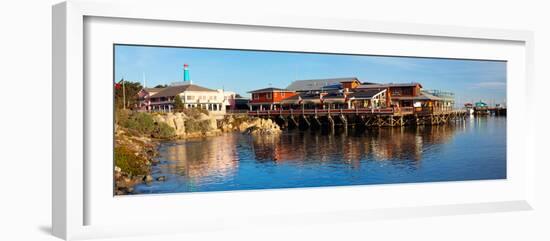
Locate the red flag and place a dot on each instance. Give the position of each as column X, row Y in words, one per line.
column 118, row 85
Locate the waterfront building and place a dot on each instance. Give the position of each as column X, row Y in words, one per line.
column 342, row 99
column 192, row 96
column 331, row 93
column 269, row 98
column 350, row 93
column 144, row 95
column 400, row 94
column 323, row 85
column 235, row 102
column 411, row 95
column 369, row 98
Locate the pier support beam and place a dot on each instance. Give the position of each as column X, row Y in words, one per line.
column 317, row 121
column 330, row 122
column 304, row 118
column 293, row 121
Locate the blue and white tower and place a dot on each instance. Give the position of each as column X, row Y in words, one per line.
column 186, row 74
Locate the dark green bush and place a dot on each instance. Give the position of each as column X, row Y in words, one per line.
column 192, row 125
column 195, row 125
column 129, row 162
column 121, row 116
column 164, row 131
column 140, row 122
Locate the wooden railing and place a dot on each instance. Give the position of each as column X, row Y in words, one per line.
column 321, row 111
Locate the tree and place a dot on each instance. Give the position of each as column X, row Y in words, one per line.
column 129, row 90
column 178, row 103
column 161, row 86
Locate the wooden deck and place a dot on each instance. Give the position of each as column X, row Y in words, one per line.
column 380, row 117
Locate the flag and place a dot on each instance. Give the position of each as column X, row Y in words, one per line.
column 118, row 85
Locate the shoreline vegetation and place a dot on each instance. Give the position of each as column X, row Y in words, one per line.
column 138, row 134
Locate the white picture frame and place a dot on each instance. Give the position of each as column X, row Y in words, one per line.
column 71, row 190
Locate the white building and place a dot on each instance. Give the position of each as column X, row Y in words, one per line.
column 192, row 96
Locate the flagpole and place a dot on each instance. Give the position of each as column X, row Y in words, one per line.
column 123, row 95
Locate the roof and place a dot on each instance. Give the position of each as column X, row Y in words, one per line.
column 368, row 86
column 365, row 94
column 334, row 96
column 481, row 104
column 304, row 97
column 422, row 96
column 153, row 89
column 317, row 84
column 271, row 89
column 177, row 89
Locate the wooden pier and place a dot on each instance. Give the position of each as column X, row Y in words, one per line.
column 496, row 111
column 381, row 117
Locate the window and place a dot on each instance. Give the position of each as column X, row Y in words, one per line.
column 256, row 96
column 396, row 92
column 268, row 96
column 190, row 97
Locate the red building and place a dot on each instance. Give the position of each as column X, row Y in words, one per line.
column 269, row 98
column 400, row 94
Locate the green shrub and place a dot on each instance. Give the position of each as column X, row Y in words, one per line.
column 194, row 125
column 129, row 162
column 178, row 103
column 164, row 131
column 195, row 112
column 121, row 116
column 143, row 123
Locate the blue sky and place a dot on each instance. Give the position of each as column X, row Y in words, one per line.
column 242, row 71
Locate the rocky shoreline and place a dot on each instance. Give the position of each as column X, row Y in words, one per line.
column 136, row 153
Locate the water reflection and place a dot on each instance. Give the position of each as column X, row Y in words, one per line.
column 201, row 158
column 342, row 157
column 352, row 146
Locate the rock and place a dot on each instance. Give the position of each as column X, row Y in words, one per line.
column 174, row 120
column 158, row 118
column 148, row 178
column 203, row 117
column 170, row 120
column 227, row 127
column 213, row 123
column 155, row 161
column 180, row 115
column 259, row 126
column 262, row 127
column 161, row 178
column 179, row 125
column 243, row 126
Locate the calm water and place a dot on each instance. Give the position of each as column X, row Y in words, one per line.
column 471, row 150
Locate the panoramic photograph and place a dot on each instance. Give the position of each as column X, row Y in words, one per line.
column 203, row 119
